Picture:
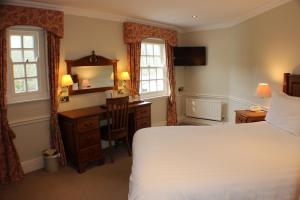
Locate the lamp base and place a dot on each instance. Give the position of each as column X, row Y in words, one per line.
column 64, row 99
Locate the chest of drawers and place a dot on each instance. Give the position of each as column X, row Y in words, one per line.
column 246, row 116
column 82, row 140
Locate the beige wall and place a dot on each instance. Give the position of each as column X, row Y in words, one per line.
column 213, row 78
column 258, row 50
column 265, row 47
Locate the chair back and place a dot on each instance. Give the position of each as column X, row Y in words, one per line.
column 117, row 114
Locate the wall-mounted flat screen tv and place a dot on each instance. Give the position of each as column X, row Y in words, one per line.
column 189, row 56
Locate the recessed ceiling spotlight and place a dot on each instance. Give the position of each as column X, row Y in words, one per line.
column 194, row 16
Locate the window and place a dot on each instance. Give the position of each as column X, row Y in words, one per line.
column 153, row 69
column 27, row 65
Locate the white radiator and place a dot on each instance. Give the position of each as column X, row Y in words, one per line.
column 204, row 109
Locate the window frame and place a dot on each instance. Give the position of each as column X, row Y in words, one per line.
column 42, row 69
column 165, row 91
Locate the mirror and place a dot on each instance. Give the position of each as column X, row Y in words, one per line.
column 92, row 74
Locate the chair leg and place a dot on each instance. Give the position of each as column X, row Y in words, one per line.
column 110, row 151
column 128, row 146
column 117, row 143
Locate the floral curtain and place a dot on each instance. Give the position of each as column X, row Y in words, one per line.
column 134, row 55
column 10, row 166
column 171, row 109
column 52, row 21
column 53, row 43
column 134, row 32
column 133, row 35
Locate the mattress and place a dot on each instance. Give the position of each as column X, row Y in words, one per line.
column 245, row 161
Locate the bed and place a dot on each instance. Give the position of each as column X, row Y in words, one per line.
column 258, row 161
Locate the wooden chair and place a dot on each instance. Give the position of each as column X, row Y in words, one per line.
column 117, row 123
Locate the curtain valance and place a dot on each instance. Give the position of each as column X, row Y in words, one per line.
column 134, row 32
column 52, row 21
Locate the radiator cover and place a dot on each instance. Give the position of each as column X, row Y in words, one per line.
column 204, row 109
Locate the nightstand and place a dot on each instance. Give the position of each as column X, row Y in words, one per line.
column 247, row 116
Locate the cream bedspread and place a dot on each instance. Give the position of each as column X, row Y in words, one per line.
column 245, row 162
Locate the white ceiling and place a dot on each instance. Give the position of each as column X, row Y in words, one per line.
column 177, row 13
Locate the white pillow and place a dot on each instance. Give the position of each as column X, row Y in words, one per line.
column 284, row 113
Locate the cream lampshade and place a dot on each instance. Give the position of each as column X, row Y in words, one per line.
column 263, row 90
column 125, row 76
column 66, row 80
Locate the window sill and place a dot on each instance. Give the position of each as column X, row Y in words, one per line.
column 12, row 102
column 154, row 97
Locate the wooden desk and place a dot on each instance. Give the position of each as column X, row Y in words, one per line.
column 81, row 131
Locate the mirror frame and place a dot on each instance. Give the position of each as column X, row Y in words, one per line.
column 92, row 60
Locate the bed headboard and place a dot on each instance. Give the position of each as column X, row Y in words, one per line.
column 291, row 84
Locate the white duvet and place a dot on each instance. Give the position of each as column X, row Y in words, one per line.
column 245, row 162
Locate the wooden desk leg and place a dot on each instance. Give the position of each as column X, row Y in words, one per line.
column 101, row 162
column 82, row 167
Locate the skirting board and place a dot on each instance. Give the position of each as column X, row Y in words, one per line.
column 196, row 121
column 32, row 165
column 164, row 123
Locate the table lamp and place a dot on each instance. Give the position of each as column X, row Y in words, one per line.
column 124, row 77
column 262, row 91
column 66, row 81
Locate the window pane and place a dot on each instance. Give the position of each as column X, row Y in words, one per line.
column 149, row 49
column 160, row 85
column 156, row 50
column 29, row 55
column 31, row 70
column 16, row 56
column 15, row 41
column 152, row 73
column 152, row 68
column 19, row 71
column 145, row 74
column 32, row 84
column 143, row 61
column 160, row 73
column 145, row 86
column 20, row 86
column 143, row 49
column 152, row 86
column 28, row 41
column 157, row 61
column 149, row 61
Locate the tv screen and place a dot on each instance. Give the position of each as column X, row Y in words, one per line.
column 189, row 56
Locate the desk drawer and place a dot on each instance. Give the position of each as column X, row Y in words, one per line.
column 89, row 154
column 142, row 112
column 88, row 123
column 89, row 139
column 143, row 123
